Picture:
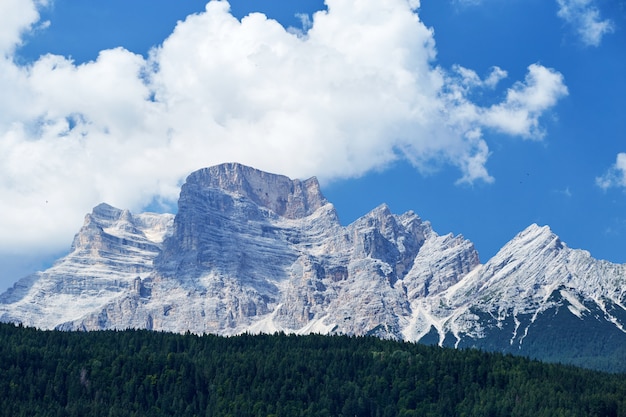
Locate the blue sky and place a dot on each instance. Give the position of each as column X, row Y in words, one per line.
column 482, row 116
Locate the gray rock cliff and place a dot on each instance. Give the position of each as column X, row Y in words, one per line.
column 250, row 251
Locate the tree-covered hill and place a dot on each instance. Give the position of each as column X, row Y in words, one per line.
column 143, row 373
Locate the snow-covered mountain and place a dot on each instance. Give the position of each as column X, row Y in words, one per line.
column 250, row 251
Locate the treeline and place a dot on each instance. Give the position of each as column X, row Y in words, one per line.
column 143, row 373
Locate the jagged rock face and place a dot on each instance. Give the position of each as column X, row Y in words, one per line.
column 247, row 251
column 110, row 255
column 250, row 251
column 291, row 199
column 229, row 222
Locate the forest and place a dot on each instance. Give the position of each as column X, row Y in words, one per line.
column 145, row 373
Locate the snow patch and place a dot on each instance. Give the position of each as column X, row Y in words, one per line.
column 517, row 324
column 575, row 306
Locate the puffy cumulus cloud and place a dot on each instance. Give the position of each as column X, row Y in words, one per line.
column 335, row 102
column 356, row 91
column 615, row 175
column 17, row 17
column 525, row 102
column 518, row 114
column 584, row 16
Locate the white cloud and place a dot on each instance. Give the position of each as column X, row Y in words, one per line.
column 518, row 114
column 469, row 79
column 497, row 74
column 615, row 175
column 17, row 17
column 584, row 16
column 525, row 102
column 358, row 91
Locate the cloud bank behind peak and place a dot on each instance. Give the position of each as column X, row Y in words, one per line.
column 358, row 90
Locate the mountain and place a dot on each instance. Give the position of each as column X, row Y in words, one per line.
column 250, row 251
column 111, row 254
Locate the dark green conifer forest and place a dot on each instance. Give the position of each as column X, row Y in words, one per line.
column 144, row 373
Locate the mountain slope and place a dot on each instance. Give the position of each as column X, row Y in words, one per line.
column 255, row 252
column 540, row 298
column 110, row 255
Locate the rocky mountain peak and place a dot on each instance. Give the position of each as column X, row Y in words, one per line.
column 292, row 199
column 534, row 232
column 106, row 213
column 250, row 251
column 536, row 242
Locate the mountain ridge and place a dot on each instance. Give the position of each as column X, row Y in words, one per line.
column 250, row 251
